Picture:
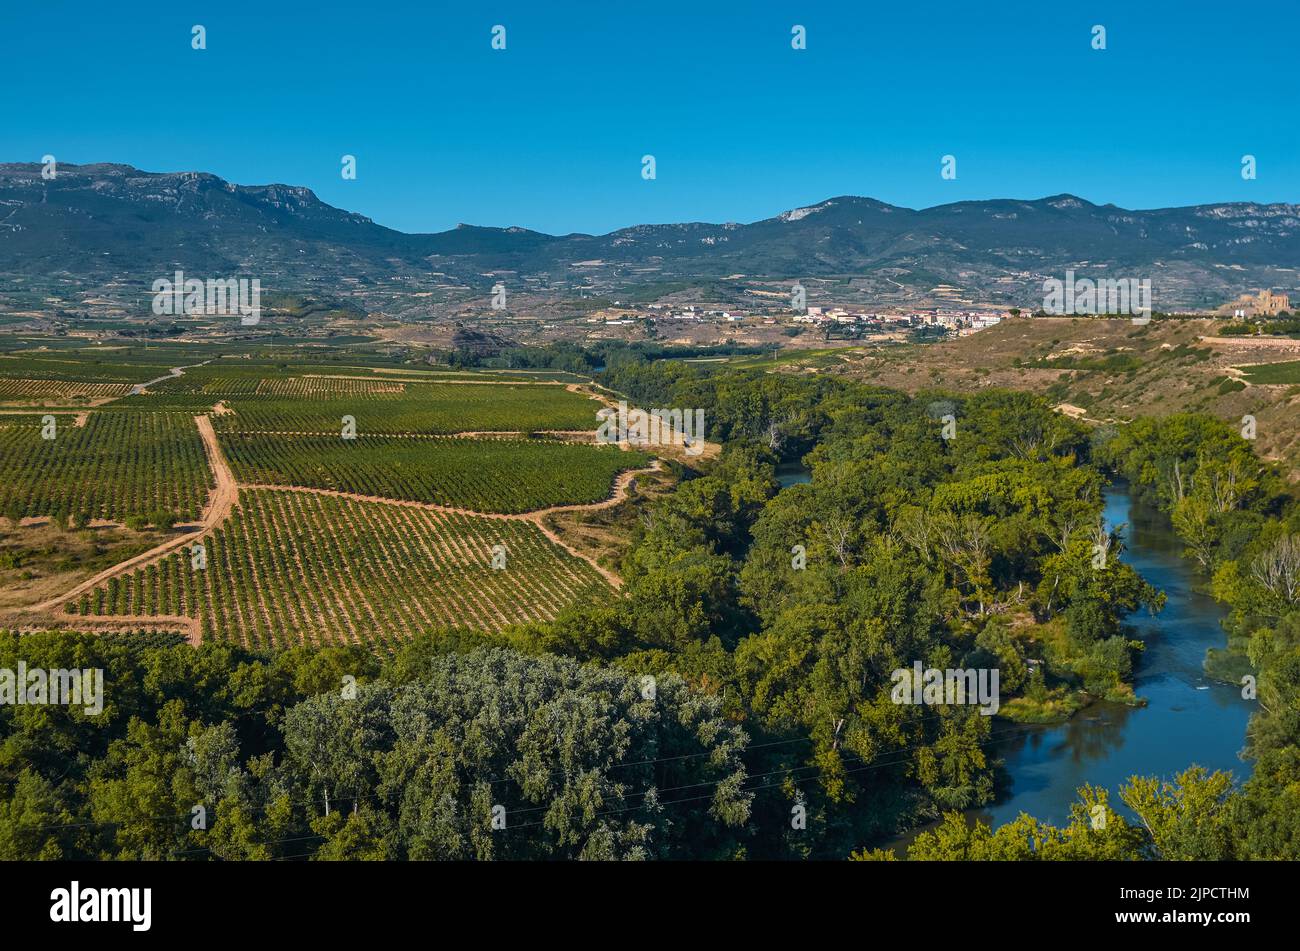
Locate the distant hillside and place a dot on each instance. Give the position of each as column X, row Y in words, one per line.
column 101, row 222
column 1110, row 370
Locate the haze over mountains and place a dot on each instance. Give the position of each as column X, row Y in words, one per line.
column 106, row 222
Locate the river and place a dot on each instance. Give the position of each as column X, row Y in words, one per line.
column 792, row 473
column 1188, row 719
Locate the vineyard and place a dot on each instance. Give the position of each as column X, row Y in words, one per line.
column 332, row 387
column 486, row 475
column 380, row 406
column 225, row 381
column 430, row 408
column 290, row 568
column 101, row 368
column 115, row 466
column 16, row 389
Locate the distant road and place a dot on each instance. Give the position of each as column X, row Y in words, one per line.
column 175, row 372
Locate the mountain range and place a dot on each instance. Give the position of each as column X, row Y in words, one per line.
column 109, row 222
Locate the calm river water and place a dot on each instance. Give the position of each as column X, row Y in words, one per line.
column 1188, row 719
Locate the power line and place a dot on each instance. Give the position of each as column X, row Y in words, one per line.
column 869, row 764
column 529, row 809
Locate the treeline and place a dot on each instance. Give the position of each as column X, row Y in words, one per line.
column 571, row 357
column 1278, row 326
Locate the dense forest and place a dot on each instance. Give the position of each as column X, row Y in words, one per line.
column 734, row 698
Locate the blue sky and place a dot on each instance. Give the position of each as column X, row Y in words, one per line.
column 549, row 134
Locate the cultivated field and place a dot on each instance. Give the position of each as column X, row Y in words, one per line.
column 299, row 567
column 326, row 386
column 44, row 391
column 318, row 404
column 430, row 408
column 112, row 466
column 104, row 365
column 1274, row 374
column 486, row 475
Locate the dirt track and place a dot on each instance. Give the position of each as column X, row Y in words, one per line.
column 219, row 506
column 174, row 372
column 227, row 492
column 135, row 622
column 622, row 486
column 618, row 494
